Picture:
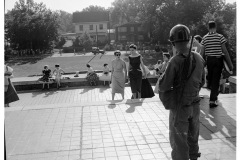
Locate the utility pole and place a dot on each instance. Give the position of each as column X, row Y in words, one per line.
column 97, row 36
column 109, row 40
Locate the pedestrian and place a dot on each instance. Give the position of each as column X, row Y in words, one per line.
column 157, row 66
column 106, row 74
column 119, row 75
column 10, row 94
column 134, row 71
column 46, row 75
column 60, row 52
column 166, row 58
column 146, row 88
column 179, row 92
column 58, row 75
column 214, row 48
column 92, row 77
column 197, row 46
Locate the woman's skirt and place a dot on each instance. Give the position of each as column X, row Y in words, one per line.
column 11, row 94
column 105, row 77
column 44, row 79
column 118, row 82
column 135, row 77
column 147, row 91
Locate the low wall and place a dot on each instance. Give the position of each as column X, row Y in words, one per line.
column 68, row 80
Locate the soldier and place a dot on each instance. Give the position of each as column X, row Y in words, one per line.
column 185, row 111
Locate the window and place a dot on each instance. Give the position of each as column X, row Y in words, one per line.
column 123, row 37
column 140, row 29
column 100, row 26
column 122, row 29
column 132, row 29
column 140, row 37
column 91, row 27
column 81, row 27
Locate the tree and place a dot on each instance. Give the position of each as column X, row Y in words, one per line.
column 30, row 25
column 65, row 22
column 86, row 41
column 61, row 42
column 76, row 42
column 232, row 42
column 93, row 8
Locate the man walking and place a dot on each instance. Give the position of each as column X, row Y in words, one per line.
column 214, row 48
column 184, row 117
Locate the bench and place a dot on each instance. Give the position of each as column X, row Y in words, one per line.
column 68, row 80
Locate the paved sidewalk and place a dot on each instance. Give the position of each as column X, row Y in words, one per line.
column 79, row 124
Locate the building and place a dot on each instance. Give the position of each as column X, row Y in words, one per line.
column 131, row 32
column 95, row 23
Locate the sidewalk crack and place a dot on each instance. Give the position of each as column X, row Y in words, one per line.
column 81, row 133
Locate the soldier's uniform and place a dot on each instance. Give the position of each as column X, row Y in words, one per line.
column 184, row 136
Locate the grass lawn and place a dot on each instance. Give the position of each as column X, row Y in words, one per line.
column 33, row 66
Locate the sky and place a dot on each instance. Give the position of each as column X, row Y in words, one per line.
column 70, row 6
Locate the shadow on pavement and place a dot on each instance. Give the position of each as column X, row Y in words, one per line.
column 86, row 90
column 102, row 89
column 49, row 93
column 133, row 103
column 46, row 92
column 216, row 122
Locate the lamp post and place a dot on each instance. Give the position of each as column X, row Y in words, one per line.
column 109, row 40
column 97, row 36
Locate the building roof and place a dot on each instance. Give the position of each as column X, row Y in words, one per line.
column 79, row 17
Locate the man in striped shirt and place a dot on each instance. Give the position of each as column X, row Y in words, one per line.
column 214, row 47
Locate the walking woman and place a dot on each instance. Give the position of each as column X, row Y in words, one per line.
column 9, row 90
column 118, row 77
column 134, row 71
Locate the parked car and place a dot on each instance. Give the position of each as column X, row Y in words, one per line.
column 96, row 50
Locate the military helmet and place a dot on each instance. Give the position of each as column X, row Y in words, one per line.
column 179, row 33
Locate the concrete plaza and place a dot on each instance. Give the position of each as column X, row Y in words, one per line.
column 83, row 123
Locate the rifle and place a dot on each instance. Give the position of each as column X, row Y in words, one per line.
column 185, row 75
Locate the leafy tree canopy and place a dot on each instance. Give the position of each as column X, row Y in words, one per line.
column 31, row 25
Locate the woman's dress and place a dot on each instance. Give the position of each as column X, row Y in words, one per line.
column 135, row 74
column 10, row 94
column 106, row 76
column 92, row 77
column 118, row 78
column 46, row 75
column 147, row 91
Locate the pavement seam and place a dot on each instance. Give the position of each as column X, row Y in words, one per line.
column 76, row 104
column 81, row 133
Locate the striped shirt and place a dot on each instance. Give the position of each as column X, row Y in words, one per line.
column 212, row 43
